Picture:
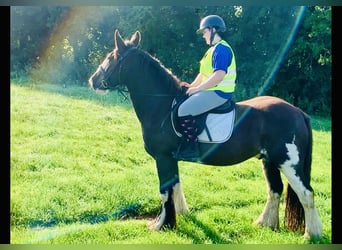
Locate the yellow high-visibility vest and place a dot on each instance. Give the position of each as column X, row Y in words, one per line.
column 206, row 69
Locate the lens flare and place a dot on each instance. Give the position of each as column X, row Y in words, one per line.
column 56, row 57
column 274, row 65
column 282, row 52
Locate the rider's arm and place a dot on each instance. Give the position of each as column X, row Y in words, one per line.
column 197, row 80
column 194, row 83
column 212, row 81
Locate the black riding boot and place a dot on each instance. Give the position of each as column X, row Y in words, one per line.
column 189, row 149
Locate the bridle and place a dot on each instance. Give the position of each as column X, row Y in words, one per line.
column 105, row 81
column 124, row 91
column 119, row 87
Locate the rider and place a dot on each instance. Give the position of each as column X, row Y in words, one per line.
column 213, row 86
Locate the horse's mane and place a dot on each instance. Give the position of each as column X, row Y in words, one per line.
column 169, row 79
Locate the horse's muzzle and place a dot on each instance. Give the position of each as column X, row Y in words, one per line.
column 101, row 91
column 90, row 83
column 97, row 90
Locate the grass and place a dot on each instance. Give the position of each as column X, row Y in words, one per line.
column 80, row 175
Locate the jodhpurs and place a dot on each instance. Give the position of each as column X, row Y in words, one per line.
column 200, row 102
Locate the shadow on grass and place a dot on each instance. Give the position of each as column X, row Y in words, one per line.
column 131, row 211
column 209, row 233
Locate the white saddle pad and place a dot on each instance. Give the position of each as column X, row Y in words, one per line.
column 219, row 128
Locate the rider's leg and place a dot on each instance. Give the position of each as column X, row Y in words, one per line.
column 188, row 149
column 196, row 104
column 200, row 102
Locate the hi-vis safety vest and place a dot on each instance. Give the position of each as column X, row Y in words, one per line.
column 206, row 69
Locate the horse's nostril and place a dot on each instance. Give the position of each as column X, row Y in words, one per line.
column 104, row 83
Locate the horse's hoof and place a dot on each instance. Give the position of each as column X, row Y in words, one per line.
column 158, row 225
column 274, row 225
column 312, row 237
column 154, row 224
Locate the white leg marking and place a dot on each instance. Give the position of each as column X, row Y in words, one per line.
column 159, row 221
column 313, row 227
column 270, row 215
column 179, row 200
column 313, row 224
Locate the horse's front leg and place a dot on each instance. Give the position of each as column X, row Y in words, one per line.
column 172, row 197
column 270, row 215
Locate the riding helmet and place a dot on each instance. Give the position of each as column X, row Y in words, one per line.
column 212, row 21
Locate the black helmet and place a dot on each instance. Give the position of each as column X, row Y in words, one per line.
column 212, row 21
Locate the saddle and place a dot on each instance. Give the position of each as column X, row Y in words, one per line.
column 214, row 126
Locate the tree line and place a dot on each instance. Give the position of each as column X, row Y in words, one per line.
column 283, row 51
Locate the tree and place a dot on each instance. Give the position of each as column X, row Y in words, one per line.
column 305, row 78
column 64, row 45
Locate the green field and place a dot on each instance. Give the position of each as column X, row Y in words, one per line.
column 80, row 175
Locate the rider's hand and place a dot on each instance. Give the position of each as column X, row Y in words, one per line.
column 192, row 90
column 185, row 84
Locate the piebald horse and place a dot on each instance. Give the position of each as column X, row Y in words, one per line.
column 266, row 127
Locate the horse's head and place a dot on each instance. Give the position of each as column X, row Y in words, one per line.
column 104, row 78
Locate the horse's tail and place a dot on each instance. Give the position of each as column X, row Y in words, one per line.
column 294, row 211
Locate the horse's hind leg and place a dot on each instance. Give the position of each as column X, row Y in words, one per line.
column 305, row 194
column 270, row 214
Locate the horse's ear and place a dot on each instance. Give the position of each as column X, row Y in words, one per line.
column 119, row 43
column 135, row 39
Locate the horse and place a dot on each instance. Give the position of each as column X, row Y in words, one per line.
column 265, row 127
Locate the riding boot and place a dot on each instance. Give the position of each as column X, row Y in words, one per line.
column 189, row 149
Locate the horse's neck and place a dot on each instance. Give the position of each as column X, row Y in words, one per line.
column 151, row 109
column 152, row 89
